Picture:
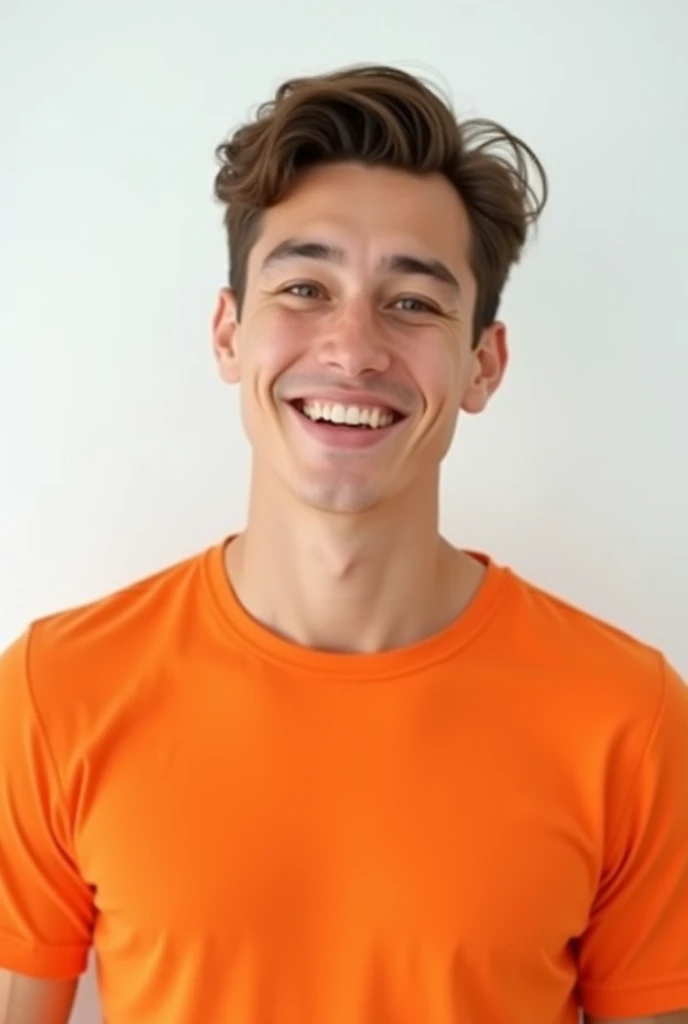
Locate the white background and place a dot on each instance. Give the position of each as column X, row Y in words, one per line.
column 121, row 452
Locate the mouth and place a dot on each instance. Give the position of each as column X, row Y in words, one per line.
column 334, row 426
column 347, row 417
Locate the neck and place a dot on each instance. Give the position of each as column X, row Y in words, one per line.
column 362, row 583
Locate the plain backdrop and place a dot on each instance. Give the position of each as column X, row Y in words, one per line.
column 120, row 450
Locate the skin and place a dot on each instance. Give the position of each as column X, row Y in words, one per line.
column 25, row 1000
column 678, row 1017
column 362, row 524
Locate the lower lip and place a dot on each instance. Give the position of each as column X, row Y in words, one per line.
column 343, row 437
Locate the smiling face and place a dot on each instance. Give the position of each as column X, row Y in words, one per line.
column 354, row 349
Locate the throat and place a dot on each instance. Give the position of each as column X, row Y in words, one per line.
column 357, row 607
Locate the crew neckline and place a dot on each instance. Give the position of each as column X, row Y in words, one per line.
column 251, row 633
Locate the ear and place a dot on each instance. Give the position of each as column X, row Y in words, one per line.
column 489, row 361
column 225, row 329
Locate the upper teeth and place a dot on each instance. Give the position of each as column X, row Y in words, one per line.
column 353, row 415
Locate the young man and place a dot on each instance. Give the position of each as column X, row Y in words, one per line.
column 334, row 770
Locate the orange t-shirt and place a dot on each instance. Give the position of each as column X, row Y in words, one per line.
column 488, row 826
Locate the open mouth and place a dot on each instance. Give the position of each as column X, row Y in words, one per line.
column 357, row 417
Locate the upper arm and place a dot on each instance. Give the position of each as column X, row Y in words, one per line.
column 633, row 955
column 25, row 1000
column 46, row 908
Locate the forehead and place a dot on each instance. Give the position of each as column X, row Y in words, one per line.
column 369, row 211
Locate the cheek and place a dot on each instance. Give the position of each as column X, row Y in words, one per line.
column 436, row 367
column 275, row 340
column 272, row 343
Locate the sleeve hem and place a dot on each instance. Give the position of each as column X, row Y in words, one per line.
column 53, row 962
column 646, row 1001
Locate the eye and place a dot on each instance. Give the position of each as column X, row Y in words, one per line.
column 303, row 290
column 411, row 304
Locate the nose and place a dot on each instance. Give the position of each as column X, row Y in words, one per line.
column 353, row 344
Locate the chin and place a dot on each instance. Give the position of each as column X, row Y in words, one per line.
column 343, row 498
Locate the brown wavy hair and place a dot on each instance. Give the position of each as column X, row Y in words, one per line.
column 380, row 115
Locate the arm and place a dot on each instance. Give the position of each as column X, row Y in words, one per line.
column 633, row 955
column 46, row 906
column 25, row 1000
column 679, row 1017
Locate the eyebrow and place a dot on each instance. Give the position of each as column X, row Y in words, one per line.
column 395, row 263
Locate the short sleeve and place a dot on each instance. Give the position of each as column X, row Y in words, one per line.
column 633, row 956
column 46, row 909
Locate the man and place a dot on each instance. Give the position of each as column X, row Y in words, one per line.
column 335, row 770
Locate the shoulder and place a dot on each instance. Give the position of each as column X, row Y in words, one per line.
column 596, row 661
column 77, row 656
column 124, row 612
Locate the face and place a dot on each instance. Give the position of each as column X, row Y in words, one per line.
column 353, row 351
